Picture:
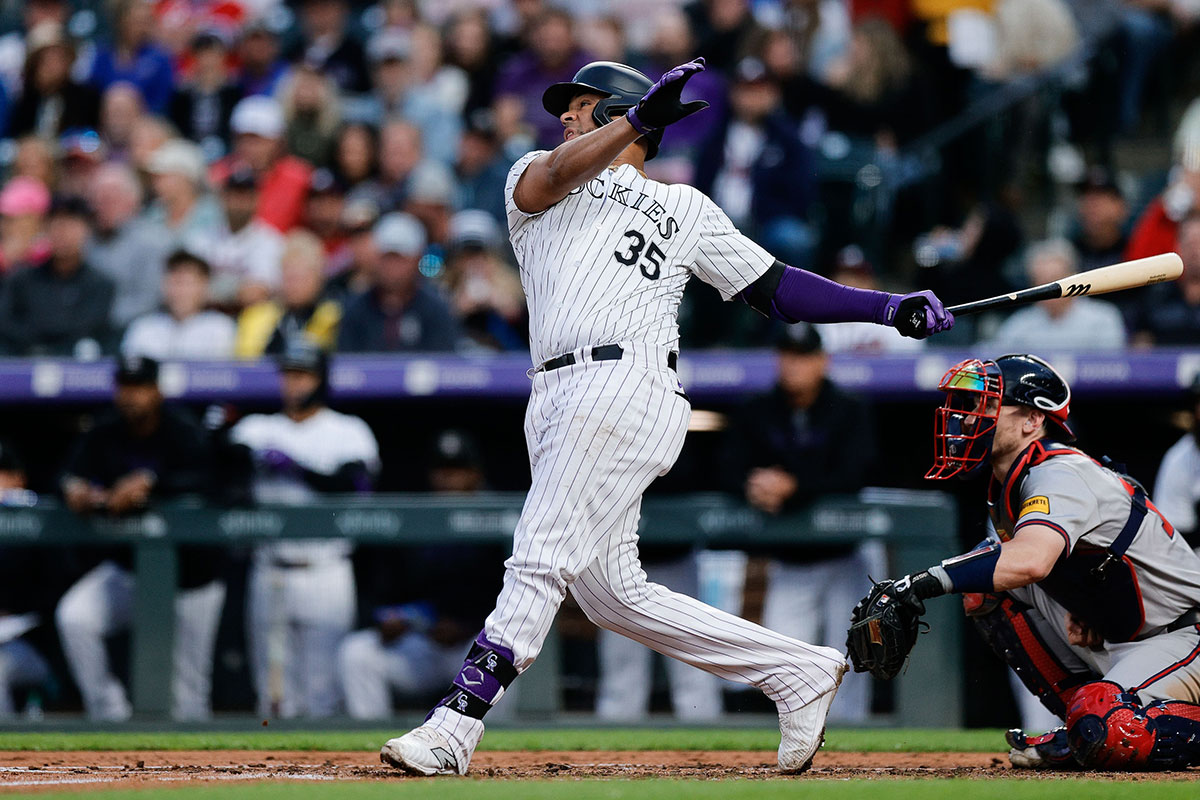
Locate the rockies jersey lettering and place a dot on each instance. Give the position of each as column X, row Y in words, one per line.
column 609, row 262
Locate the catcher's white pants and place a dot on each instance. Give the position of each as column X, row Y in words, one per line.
column 598, row 434
column 100, row 604
column 812, row 602
column 411, row 664
column 626, row 667
column 296, row 618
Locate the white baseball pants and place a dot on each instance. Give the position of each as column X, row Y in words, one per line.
column 598, row 434
column 99, row 605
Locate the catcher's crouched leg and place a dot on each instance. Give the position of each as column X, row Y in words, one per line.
column 1014, row 631
column 1109, row 728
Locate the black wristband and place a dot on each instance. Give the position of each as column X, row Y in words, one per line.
column 926, row 585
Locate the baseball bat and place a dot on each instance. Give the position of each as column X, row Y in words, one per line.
column 1114, row 278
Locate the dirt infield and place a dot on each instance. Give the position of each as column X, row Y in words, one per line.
column 26, row 771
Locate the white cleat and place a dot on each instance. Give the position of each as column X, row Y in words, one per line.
column 802, row 732
column 422, row 751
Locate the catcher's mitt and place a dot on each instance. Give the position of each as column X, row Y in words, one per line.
column 883, row 628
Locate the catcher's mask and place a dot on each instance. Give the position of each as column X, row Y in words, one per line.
column 965, row 424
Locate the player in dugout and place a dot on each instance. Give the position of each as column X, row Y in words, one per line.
column 1082, row 586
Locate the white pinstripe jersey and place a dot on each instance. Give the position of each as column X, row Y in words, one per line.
column 609, row 262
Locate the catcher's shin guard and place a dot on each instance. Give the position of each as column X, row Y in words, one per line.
column 1109, row 729
column 1008, row 628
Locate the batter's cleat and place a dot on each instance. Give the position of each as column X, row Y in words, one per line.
column 1048, row 751
column 802, row 732
column 422, row 751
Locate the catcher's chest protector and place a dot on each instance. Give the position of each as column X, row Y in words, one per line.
column 1098, row 585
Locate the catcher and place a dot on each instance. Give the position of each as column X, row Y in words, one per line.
column 1082, row 587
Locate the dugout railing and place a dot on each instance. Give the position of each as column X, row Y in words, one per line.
column 917, row 529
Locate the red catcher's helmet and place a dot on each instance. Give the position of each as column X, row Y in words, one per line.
column 966, row 423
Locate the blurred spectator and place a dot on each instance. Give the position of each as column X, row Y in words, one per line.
column 300, row 593
column 411, row 82
column 353, row 266
column 723, row 28
column 484, row 290
column 133, row 56
column 60, row 306
column 968, row 262
column 439, row 597
column 429, row 197
column 481, row 168
column 1156, row 230
column 1177, row 486
column 22, row 667
column 1100, row 231
column 182, row 210
column 804, row 439
column 34, row 158
column 258, row 130
column 471, row 47
column 149, row 133
column 142, row 452
column 399, row 312
column 126, row 249
column 184, row 330
column 13, row 51
column 300, row 312
column 816, row 32
column 81, row 154
column 323, row 209
column 245, row 254
column 261, row 68
column 876, row 93
column 120, row 108
column 553, row 57
column 200, row 107
column 327, row 45
column 674, row 44
column 399, row 154
column 356, row 154
column 1068, row 323
column 604, row 38
column 311, row 113
column 23, row 206
column 1169, row 313
column 758, row 171
column 52, row 102
column 853, row 269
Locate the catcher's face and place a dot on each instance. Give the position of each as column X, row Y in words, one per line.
column 577, row 119
column 965, row 424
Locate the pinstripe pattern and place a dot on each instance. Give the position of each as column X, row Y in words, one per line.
column 608, row 265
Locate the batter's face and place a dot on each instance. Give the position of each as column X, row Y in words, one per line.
column 577, row 119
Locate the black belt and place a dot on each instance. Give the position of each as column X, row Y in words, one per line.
column 290, row 563
column 1188, row 619
column 605, row 352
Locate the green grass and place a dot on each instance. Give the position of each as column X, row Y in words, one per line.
column 765, row 738
column 442, row 789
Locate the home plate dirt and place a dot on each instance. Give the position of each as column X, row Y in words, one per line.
column 82, row 771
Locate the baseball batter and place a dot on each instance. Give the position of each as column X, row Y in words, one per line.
column 1084, row 588
column 605, row 254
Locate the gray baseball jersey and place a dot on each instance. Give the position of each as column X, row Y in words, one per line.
column 1088, row 505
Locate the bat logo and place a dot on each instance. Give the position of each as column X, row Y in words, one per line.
column 1076, row 289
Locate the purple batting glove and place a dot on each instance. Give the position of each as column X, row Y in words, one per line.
column 661, row 106
column 917, row 314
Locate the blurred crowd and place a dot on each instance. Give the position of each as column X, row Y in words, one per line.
column 192, row 179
